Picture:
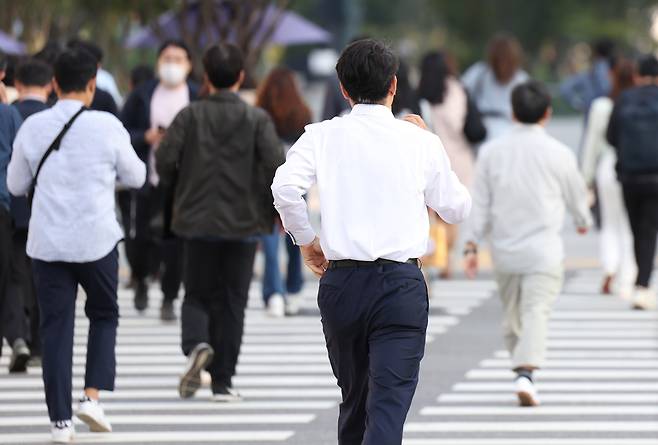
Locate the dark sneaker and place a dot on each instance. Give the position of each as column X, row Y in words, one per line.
column 19, row 356
column 141, row 296
column 34, row 362
column 167, row 312
column 225, row 394
column 197, row 361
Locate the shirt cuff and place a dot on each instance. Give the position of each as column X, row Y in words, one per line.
column 302, row 238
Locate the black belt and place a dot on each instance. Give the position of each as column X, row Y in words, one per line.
column 378, row 262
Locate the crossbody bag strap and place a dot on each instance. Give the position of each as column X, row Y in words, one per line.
column 53, row 146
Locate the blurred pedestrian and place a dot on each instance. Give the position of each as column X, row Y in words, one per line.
column 375, row 175
column 490, row 83
column 4, row 60
column 581, row 89
column 69, row 161
column 140, row 75
column 406, row 100
column 148, row 112
column 524, row 182
column 220, row 155
column 279, row 95
column 34, row 84
column 633, row 131
column 598, row 166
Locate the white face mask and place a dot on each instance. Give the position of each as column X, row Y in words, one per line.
column 172, row 74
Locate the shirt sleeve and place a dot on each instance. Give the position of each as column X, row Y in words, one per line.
column 291, row 182
column 594, row 134
column 19, row 173
column 443, row 192
column 574, row 191
column 480, row 220
column 131, row 171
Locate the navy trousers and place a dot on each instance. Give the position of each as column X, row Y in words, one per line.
column 57, row 287
column 374, row 320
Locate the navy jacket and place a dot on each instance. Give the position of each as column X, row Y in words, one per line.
column 10, row 121
column 20, row 208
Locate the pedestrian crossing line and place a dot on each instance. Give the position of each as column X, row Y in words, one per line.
column 565, row 397
column 642, row 387
column 616, row 354
column 603, row 325
column 528, row 441
column 603, row 315
column 177, row 419
column 188, row 405
column 593, row 363
column 603, row 344
column 625, row 333
column 175, row 437
column 552, row 374
column 554, row 410
column 529, row 426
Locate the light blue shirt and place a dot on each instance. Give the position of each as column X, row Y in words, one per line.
column 73, row 213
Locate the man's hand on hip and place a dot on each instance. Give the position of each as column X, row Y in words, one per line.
column 314, row 257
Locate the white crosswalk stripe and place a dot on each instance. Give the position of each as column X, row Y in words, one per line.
column 600, row 385
column 283, row 374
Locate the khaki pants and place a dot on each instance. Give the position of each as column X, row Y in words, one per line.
column 527, row 302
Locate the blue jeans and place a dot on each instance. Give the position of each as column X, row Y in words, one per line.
column 272, row 281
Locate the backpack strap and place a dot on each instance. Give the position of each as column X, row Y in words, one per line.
column 53, row 146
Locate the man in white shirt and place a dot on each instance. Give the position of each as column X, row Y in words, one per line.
column 524, row 181
column 73, row 233
column 376, row 176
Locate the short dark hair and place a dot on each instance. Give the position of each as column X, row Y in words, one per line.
column 3, row 60
column 88, row 46
column 141, row 74
column 530, row 100
column 74, row 68
column 648, row 66
column 34, row 72
column 366, row 69
column 177, row 43
column 223, row 63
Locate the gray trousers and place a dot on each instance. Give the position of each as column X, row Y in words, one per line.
column 527, row 302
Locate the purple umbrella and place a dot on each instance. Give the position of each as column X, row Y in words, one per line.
column 10, row 45
column 292, row 29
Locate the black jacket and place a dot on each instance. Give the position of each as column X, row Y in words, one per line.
column 136, row 114
column 220, row 154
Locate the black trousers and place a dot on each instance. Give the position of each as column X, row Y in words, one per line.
column 374, row 320
column 217, row 279
column 57, row 287
column 149, row 250
column 642, row 205
column 5, row 263
column 20, row 302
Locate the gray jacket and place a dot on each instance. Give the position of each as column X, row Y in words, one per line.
column 220, row 155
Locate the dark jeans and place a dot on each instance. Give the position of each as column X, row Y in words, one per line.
column 272, row 280
column 148, row 247
column 20, row 302
column 57, row 287
column 642, row 205
column 374, row 320
column 217, row 279
column 5, row 261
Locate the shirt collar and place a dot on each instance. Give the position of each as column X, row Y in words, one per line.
column 69, row 103
column 371, row 110
column 520, row 126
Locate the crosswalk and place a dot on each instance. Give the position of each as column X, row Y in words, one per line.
column 283, row 374
column 600, row 385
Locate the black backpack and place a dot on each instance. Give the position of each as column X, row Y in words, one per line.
column 638, row 134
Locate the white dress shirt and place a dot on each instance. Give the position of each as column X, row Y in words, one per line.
column 375, row 177
column 73, row 213
column 524, row 181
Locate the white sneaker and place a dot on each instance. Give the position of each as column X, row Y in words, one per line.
column 276, row 306
column 292, row 305
column 62, row 431
column 644, row 299
column 526, row 392
column 91, row 412
column 226, row 395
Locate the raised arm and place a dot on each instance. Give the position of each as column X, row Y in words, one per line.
column 443, row 191
column 291, row 182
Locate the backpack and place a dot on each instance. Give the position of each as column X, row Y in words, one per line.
column 638, row 135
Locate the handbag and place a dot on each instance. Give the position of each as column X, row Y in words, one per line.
column 474, row 128
column 53, row 146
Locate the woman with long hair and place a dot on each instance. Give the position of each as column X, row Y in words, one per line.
column 599, row 160
column 490, row 83
column 444, row 107
column 280, row 96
